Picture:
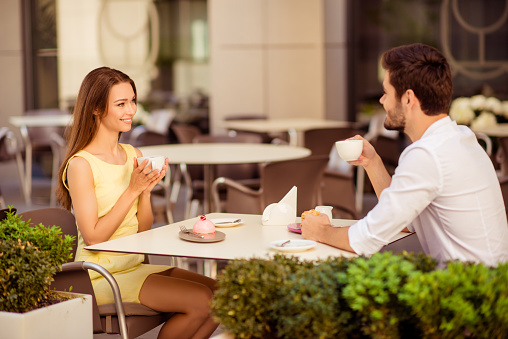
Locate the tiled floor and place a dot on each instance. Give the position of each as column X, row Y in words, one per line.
column 11, row 192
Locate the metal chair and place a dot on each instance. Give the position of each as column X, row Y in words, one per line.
column 9, row 151
column 128, row 319
column 276, row 179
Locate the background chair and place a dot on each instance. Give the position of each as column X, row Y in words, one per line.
column 185, row 133
column 156, row 130
column 108, row 318
column 276, row 179
column 321, row 140
column 40, row 137
column 503, row 156
column 504, row 189
column 278, row 138
column 9, row 151
column 338, row 184
column 246, row 174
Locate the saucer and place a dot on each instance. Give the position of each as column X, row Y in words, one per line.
column 295, row 227
column 226, row 222
column 213, row 237
column 294, row 245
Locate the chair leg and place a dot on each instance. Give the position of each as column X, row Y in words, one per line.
column 21, row 173
column 193, row 209
column 2, row 201
column 210, row 268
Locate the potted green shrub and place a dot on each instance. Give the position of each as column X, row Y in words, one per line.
column 30, row 255
column 385, row 296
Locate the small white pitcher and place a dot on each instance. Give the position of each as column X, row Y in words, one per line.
column 326, row 210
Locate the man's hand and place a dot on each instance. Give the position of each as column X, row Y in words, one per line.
column 368, row 153
column 313, row 226
column 318, row 228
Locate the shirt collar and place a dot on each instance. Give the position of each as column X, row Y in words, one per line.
column 437, row 124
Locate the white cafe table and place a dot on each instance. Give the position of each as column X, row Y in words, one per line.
column 25, row 121
column 293, row 126
column 248, row 240
column 209, row 154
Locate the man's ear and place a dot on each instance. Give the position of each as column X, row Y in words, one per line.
column 409, row 98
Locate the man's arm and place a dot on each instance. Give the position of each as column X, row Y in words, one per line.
column 373, row 165
column 318, row 228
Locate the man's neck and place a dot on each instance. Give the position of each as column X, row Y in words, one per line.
column 417, row 129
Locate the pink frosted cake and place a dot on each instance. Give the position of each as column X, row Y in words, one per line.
column 204, row 226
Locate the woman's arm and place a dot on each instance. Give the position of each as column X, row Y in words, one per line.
column 84, row 203
column 145, row 214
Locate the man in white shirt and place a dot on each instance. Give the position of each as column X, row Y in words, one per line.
column 445, row 187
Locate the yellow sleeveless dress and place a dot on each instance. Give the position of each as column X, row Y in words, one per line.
column 110, row 181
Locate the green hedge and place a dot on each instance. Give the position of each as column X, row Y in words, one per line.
column 385, row 296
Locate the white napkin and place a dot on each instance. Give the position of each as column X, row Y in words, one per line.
column 283, row 212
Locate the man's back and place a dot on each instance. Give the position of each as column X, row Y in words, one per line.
column 467, row 215
column 445, row 186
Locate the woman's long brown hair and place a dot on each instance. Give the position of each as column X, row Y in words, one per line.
column 91, row 104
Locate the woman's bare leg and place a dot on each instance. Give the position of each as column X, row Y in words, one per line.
column 184, row 292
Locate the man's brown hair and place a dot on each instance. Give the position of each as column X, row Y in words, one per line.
column 424, row 70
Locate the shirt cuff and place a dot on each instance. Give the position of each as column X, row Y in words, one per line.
column 362, row 241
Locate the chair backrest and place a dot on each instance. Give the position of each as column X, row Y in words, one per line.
column 233, row 171
column 40, row 136
column 185, row 133
column 8, row 144
column 321, row 140
column 503, row 158
column 243, row 137
column 55, row 216
column 277, row 178
column 160, row 120
column 503, row 182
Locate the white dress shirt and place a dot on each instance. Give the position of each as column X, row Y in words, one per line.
column 446, row 190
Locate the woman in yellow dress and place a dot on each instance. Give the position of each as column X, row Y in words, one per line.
column 110, row 196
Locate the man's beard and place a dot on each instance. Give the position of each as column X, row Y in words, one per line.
column 397, row 124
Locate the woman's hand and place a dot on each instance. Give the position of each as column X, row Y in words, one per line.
column 142, row 180
column 159, row 176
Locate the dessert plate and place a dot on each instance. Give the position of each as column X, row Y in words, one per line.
column 215, row 237
column 294, row 245
column 226, row 222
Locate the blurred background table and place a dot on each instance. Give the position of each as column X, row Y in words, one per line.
column 295, row 127
column 24, row 122
column 210, row 154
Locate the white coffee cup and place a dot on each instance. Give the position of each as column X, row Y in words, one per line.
column 156, row 161
column 349, row 150
column 325, row 210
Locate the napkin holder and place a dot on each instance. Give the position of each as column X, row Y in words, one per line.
column 283, row 212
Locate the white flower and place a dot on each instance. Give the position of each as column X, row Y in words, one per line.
column 477, row 102
column 485, row 119
column 461, row 111
column 494, row 105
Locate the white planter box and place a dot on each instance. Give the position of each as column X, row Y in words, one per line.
column 68, row 319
